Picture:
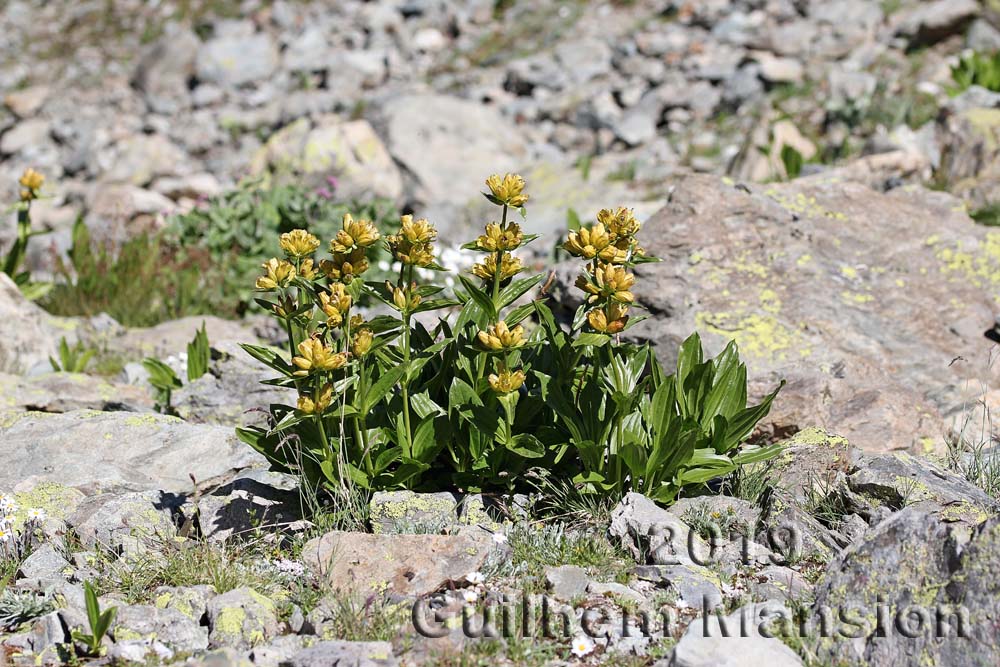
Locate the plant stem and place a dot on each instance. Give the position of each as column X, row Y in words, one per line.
column 406, row 365
column 498, row 269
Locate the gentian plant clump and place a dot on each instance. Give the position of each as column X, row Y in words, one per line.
column 497, row 386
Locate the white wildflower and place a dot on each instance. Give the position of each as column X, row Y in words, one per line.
column 499, row 538
column 36, row 515
column 475, row 578
column 582, row 645
column 470, row 595
column 289, row 567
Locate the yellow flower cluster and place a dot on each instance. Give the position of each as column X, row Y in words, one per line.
column 499, row 337
column 510, row 266
column 506, row 381
column 413, row 245
column 316, row 404
column 278, row 273
column 498, row 238
column 335, row 304
column 31, row 182
column 355, row 234
column 506, row 190
column 298, row 244
column 315, row 357
column 610, row 246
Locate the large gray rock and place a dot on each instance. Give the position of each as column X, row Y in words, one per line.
column 917, row 580
column 241, row 618
column 356, row 654
column 254, row 500
column 410, row 512
column 65, row 392
column 237, row 60
column 97, row 451
column 167, row 626
column 128, row 522
column 929, row 22
column 28, row 335
column 734, row 640
column 364, row 564
column 330, row 145
column 449, row 146
column 230, row 393
column 165, row 69
column 876, row 336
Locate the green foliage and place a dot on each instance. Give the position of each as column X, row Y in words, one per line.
column 99, row 623
column 198, row 355
column 478, row 399
column 72, row 359
column 793, row 161
column 141, row 283
column 238, row 229
column 977, row 69
column 163, row 380
column 988, row 216
column 30, row 183
column 17, row 607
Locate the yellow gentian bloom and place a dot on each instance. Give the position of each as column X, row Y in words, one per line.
column 298, row 243
column 507, row 189
column 277, row 273
column 506, row 381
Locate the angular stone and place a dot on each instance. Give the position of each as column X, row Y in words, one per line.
column 241, row 618
column 100, row 451
column 566, row 582
column 28, row 335
column 652, row 534
column 128, row 522
column 237, row 60
column 45, row 562
column 718, row 641
column 365, row 564
column 410, row 512
column 167, row 626
column 357, row 654
column 191, row 601
column 65, row 392
column 254, row 499
column 920, row 305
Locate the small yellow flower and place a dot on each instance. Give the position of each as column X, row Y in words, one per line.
column 399, row 298
column 317, row 357
column 355, row 234
column 610, row 322
column 417, row 231
column 589, row 242
column 335, row 304
column 507, row 189
column 277, row 273
column 506, row 381
column 620, row 222
column 298, row 243
column 499, row 337
column 497, row 238
column 509, row 266
column 362, row 342
column 610, row 281
column 319, row 405
column 409, row 253
column 307, row 269
column 31, row 181
column 345, row 266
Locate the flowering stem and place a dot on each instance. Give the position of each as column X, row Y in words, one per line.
column 499, row 268
column 406, row 363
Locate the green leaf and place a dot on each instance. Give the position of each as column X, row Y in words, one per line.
column 592, row 339
column 481, row 299
column 516, row 289
column 199, row 355
column 527, row 445
column 269, row 357
column 377, row 392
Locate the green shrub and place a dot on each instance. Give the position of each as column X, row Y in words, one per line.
column 72, row 359
column 31, row 185
column 141, row 283
column 238, row 229
column 479, row 399
column 977, row 69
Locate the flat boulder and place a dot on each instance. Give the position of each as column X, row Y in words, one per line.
column 109, row 451
column 873, row 306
